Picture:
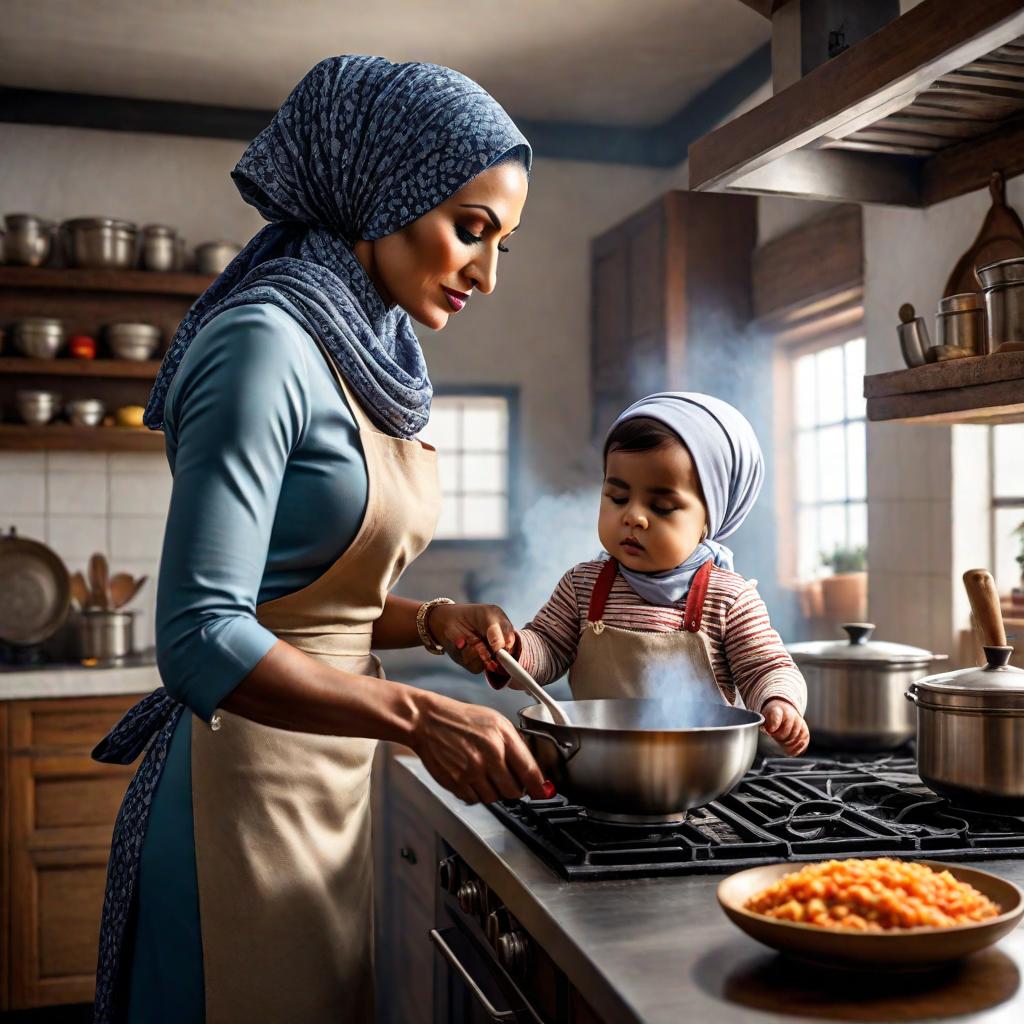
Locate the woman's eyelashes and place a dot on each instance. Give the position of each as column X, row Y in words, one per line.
column 468, row 238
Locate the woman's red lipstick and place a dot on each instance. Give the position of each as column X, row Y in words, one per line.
column 455, row 299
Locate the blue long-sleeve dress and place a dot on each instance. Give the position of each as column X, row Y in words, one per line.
column 270, row 487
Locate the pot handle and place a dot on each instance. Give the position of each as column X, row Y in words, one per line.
column 911, row 694
column 568, row 749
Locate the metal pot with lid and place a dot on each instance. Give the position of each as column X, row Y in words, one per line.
column 856, row 687
column 970, row 723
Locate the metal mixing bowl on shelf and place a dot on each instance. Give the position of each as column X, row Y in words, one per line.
column 38, row 337
column 85, row 412
column 28, row 239
column 136, row 342
column 37, row 408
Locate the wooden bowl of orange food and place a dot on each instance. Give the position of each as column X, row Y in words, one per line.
column 876, row 914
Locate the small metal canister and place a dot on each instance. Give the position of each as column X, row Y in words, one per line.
column 160, row 248
column 960, row 323
column 1003, row 283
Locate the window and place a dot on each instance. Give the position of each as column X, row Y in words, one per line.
column 1007, row 463
column 830, row 453
column 472, row 432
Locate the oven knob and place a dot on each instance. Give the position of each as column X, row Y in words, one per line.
column 513, row 950
column 448, row 874
column 470, row 897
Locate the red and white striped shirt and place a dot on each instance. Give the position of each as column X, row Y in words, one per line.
column 746, row 653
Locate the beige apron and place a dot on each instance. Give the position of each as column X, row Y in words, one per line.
column 615, row 662
column 282, row 822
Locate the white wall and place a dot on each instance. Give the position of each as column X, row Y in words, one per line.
column 532, row 332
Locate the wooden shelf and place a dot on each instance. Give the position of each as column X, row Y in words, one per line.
column 920, row 111
column 109, row 368
column 979, row 389
column 138, row 281
column 65, row 437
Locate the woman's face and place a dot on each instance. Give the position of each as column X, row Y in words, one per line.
column 432, row 266
column 652, row 508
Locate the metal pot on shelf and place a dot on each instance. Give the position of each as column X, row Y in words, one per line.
column 856, row 687
column 103, row 635
column 100, row 243
column 28, row 239
column 1003, row 285
column 970, row 723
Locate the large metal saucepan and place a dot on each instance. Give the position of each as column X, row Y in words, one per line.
column 970, row 724
column 856, row 687
column 642, row 760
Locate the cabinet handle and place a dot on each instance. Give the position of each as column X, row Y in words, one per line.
column 481, row 997
column 407, row 853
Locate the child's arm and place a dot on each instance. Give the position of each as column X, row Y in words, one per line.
column 546, row 646
column 759, row 663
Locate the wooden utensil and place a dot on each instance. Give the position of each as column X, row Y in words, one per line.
column 520, row 675
column 123, row 588
column 79, row 590
column 988, row 615
column 99, row 575
column 1001, row 238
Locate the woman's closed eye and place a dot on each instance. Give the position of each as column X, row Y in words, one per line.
column 468, row 238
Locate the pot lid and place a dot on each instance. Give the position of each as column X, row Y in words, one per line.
column 996, row 685
column 860, row 649
column 35, row 590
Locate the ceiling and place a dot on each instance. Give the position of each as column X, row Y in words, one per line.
column 607, row 62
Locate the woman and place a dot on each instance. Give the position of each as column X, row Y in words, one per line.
column 239, row 886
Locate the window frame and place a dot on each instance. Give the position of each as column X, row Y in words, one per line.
column 834, row 331
column 511, row 396
column 995, row 504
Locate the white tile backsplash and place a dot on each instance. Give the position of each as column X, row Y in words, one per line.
column 139, row 462
column 22, row 462
column 146, row 494
column 30, row 527
column 77, row 462
column 75, row 538
column 76, row 494
column 136, row 538
column 22, row 493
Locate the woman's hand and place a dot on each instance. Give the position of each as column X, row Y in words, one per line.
column 472, row 633
column 475, row 752
column 786, row 726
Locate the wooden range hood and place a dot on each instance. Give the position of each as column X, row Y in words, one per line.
column 920, row 111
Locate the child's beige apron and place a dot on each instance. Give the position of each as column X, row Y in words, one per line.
column 615, row 662
column 282, row 825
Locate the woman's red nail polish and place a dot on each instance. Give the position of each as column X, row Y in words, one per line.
column 549, row 789
column 460, row 643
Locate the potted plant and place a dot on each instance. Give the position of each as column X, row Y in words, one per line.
column 1017, row 595
column 845, row 593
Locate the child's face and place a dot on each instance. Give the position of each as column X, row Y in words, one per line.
column 652, row 508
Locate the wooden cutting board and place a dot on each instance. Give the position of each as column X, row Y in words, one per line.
column 1001, row 238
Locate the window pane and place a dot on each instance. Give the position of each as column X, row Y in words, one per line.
column 1008, row 470
column 807, row 467
column 448, row 524
column 856, row 406
column 832, row 463
column 807, row 543
column 442, row 430
column 484, row 473
column 830, row 385
column 856, row 461
column 804, row 390
column 448, row 471
column 1008, row 546
column 484, row 517
column 832, row 523
column 485, row 424
column 858, row 525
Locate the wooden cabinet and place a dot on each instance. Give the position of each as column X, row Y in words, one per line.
column 405, row 889
column 57, row 809
column 666, row 285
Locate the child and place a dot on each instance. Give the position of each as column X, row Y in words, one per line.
column 664, row 615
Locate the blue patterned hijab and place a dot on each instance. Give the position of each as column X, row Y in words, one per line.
column 361, row 148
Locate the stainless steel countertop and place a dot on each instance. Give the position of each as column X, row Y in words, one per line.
column 659, row 951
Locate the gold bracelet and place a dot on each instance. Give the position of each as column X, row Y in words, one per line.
column 426, row 638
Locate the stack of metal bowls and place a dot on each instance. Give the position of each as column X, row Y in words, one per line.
column 100, row 243
column 137, row 342
column 37, row 407
column 85, row 412
column 28, row 239
column 39, row 337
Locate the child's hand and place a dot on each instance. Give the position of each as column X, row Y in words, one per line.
column 786, row 726
column 472, row 633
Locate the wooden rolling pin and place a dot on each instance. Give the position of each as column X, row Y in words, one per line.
column 984, row 598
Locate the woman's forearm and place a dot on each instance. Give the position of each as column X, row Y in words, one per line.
column 396, row 626
column 291, row 690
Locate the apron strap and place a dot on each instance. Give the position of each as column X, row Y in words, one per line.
column 602, row 588
column 695, row 598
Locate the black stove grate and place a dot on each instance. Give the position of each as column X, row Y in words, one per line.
column 796, row 809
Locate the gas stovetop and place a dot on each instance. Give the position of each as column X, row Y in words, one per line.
column 786, row 809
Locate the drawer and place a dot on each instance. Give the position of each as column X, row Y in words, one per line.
column 411, row 856
column 77, row 723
